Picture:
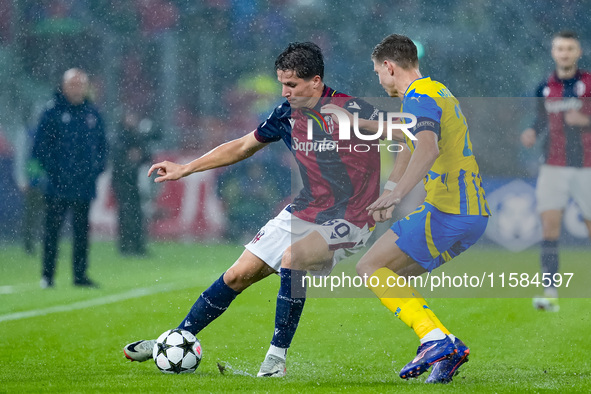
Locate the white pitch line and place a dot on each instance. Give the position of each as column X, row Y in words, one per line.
column 135, row 293
column 6, row 289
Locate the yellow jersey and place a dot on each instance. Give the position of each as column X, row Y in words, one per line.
column 454, row 183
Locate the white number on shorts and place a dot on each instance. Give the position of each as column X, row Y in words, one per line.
column 341, row 229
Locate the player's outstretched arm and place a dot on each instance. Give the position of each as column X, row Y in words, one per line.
column 226, row 154
column 421, row 161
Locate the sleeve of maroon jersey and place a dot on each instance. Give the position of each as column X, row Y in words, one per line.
column 272, row 129
column 586, row 96
column 363, row 108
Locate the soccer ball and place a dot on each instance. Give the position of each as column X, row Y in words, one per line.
column 177, row 351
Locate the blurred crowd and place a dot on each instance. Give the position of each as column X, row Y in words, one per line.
column 202, row 70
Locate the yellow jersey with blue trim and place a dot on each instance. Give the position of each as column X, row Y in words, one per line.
column 454, row 183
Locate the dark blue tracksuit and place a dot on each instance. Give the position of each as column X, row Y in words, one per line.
column 70, row 144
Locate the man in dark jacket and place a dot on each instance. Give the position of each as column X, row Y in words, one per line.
column 70, row 145
column 130, row 152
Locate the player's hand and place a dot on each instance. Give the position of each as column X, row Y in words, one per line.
column 341, row 109
column 383, row 215
column 381, row 210
column 577, row 119
column 528, row 138
column 167, row 171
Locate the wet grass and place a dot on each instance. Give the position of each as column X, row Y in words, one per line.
column 68, row 339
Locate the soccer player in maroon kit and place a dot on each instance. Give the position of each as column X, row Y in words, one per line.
column 326, row 222
column 564, row 119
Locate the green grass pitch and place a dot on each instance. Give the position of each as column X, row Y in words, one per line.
column 68, row 339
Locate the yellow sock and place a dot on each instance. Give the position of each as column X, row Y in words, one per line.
column 406, row 303
column 436, row 320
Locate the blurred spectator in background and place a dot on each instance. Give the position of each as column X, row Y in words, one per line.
column 564, row 119
column 130, row 152
column 247, row 201
column 70, row 145
column 10, row 201
column 248, row 193
column 29, row 178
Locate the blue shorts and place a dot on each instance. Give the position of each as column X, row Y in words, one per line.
column 431, row 237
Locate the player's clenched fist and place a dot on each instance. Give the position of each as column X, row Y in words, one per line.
column 383, row 207
column 167, row 171
column 383, row 215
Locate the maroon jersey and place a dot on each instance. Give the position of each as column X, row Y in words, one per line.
column 565, row 145
column 340, row 177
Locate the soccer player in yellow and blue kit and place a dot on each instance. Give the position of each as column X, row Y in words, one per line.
column 452, row 218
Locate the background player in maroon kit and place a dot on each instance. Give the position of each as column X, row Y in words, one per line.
column 564, row 119
column 325, row 223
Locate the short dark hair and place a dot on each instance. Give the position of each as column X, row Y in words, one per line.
column 397, row 48
column 305, row 58
column 566, row 34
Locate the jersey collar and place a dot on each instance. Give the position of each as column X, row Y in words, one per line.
column 327, row 93
column 575, row 77
column 412, row 83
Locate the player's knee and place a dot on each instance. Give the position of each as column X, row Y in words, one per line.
column 359, row 269
column 363, row 268
column 231, row 279
column 367, row 267
column 292, row 259
column 551, row 233
column 588, row 224
column 550, row 236
column 551, row 225
column 237, row 280
column 286, row 259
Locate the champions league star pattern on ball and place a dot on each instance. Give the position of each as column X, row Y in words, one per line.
column 177, row 351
